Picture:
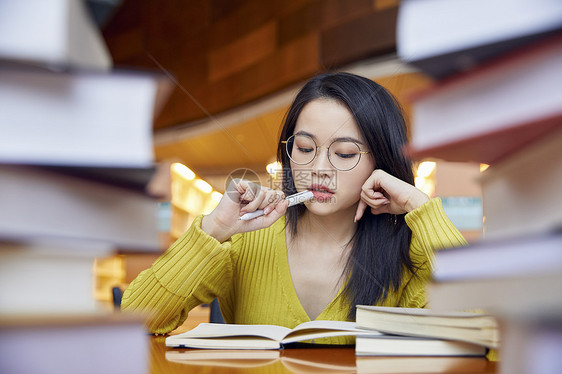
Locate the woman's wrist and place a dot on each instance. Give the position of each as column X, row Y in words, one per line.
column 416, row 200
column 212, row 228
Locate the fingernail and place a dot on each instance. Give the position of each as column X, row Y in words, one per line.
column 267, row 210
column 354, row 219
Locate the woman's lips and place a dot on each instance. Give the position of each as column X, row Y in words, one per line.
column 321, row 193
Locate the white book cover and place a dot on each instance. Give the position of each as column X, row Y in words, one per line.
column 500, row 258
column 502, row 295
column 428, row 28
column 48, row 278
column 77, row 119
column 57, row 33
column 522, row 194
column 37, row 203
column 83, row 344
column 484, row 103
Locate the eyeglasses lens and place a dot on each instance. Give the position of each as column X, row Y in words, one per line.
column 343, row 155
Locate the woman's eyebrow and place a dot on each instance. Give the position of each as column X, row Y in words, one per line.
column 348, row 139
column 305, row 133
column 340, row 139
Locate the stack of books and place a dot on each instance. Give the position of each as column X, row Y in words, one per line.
column 76, row 157
column 423, row 332
column 497, row 100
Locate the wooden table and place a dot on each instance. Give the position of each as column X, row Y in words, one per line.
column 165, row 360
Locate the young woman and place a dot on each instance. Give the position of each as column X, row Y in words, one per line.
column 366, row 238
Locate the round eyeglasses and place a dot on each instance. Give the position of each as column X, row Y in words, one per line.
column 343, row 155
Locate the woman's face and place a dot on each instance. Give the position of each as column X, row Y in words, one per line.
column 327, row 121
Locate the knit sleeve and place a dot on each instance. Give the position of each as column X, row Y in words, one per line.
column 194, row 270
column 431, row 231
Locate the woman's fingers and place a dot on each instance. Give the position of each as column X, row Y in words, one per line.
column 265, row 220
column 360, row 210
column 274, row 200
column 376, row 201
column 277, row 210
column 243, row 196
column 265, row 199
column 252, row 200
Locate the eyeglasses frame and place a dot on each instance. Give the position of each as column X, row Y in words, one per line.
column 327, row 150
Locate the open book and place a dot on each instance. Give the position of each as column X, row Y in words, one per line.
column 468, row 327
column 229, row 336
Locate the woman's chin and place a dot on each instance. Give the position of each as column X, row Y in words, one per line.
column 323, row 207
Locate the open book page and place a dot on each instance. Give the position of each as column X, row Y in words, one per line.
column 323, row 329
column 225, row 336
column 228, row 336
column 218, row 330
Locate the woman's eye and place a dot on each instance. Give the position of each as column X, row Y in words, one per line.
column 346, row 155
column 305, row 150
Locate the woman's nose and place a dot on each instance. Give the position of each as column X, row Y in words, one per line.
column 321, row 162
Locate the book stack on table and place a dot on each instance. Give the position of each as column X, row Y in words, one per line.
column 423, row 332
column 388, row 340
column 380, row 331
column 76, row 158
column 497, row 100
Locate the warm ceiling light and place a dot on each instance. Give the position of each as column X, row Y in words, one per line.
column 419, row 182
column 425, row 169
column 273, row 168
column 484, row 167
column 183, row 170
column 203, row 186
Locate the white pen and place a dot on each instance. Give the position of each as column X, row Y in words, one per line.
column 295, row 199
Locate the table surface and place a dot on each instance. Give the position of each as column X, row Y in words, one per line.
column 302, row 360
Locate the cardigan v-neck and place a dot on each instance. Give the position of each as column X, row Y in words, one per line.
column 282, row 259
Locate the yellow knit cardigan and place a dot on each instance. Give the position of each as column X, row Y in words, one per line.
column 249, row 273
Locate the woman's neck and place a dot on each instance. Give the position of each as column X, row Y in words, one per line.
column 334, row 229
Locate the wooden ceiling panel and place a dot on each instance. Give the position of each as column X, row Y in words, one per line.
column 231, row 54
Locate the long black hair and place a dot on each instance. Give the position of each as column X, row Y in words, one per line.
column 380, row 250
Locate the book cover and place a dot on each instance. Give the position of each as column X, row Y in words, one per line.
column 89, row 344
column 55, row 33
column 492, row 112
column 39, row 203
column 389, row 345
column 78, row 118
column 443, row 37
column 521, row 194
column 502, row 296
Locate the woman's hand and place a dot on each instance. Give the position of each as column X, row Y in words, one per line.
column 243, row 196
column 384, row 193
